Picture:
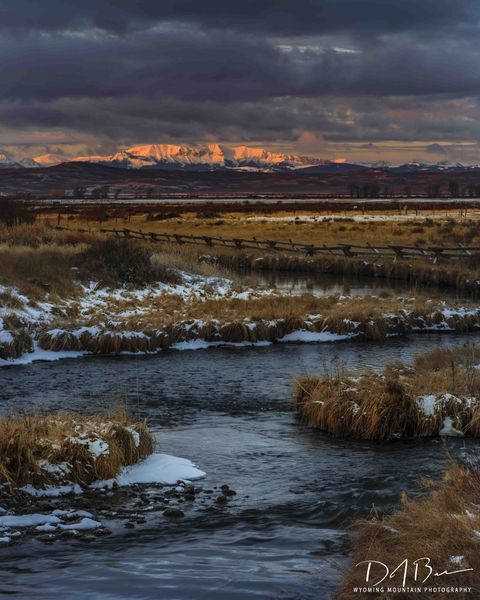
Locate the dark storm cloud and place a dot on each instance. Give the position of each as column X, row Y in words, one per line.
column 275, row 16
column 349, row 70
column 188, row 64
column 139, row 120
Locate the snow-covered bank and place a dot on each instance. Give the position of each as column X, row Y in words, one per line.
column 69, row 461
column 206, row 312
column 156, row 470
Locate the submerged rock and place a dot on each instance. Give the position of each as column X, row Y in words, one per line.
column 173, row 513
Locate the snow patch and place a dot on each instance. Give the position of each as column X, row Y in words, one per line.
column 314, row 336
column 157, row 468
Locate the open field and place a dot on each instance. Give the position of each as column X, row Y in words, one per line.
column 428, row 228
column 313, row 225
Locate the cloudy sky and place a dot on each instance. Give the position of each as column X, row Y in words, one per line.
column 357, row 79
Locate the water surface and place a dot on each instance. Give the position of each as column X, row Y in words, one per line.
column 284, row 534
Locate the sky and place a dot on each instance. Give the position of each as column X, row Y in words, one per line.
column 361, row 80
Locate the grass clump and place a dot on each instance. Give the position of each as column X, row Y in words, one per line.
column 123, row 261
column 440, row 395
column 14, row 344
column 64, row 448
column 443, row 526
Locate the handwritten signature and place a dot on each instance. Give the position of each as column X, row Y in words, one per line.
column 422, row 570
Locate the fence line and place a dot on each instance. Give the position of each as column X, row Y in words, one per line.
column 395, row 251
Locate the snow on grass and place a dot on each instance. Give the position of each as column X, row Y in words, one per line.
column 430, row 404
column 427, row 404
column 193, row 287
column 96, row 447
column 110, row 309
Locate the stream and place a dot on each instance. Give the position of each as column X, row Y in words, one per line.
column 284, row 535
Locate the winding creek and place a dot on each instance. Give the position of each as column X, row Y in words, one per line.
column 284, row 533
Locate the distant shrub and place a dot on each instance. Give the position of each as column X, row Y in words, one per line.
column 15, row 213
column 123, row 261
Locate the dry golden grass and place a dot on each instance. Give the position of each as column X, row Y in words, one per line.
column 54, row 271
column 54, row 449
column 442, row 526
column 16, row 342
column 57, row 251
column 440, row 229
column 145, row 325
column 40, row 234
column 39, row 260
column 389, row 405
column 365, row 315
column 432, row 227
column 36, row 271
column 186, row 258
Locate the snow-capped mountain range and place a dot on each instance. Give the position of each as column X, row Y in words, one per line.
column 220, row 157
column 211, row 156
column 173, row 156
column 44, row 160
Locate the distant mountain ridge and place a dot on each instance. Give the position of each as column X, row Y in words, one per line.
column 212, row 157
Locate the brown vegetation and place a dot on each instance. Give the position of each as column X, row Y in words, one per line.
column 441, row 391
column 122, row 261
column 56, row 449
column 461, row 276
column 443, row 526
column 312, row 225
column 170, row 319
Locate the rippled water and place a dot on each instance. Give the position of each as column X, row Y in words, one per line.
column 284, row 534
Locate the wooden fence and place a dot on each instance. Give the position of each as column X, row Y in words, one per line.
column 371, row 251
